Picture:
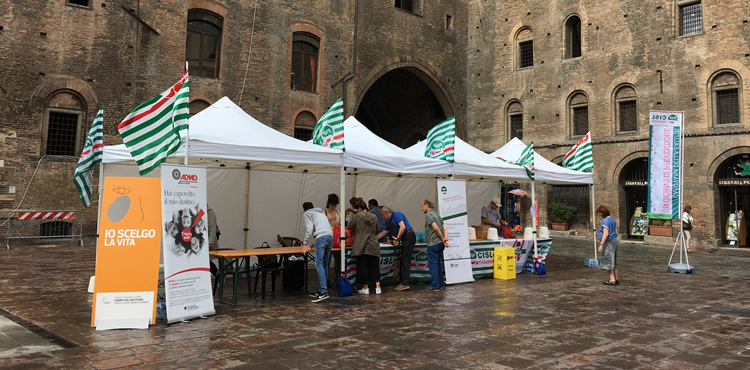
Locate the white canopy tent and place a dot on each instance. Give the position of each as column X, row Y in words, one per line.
column 544, row 170
column 472, row 162
column 232, row 145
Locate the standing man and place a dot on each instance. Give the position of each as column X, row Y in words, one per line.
column 213, row 238
column 491, row 215
column 316, row 223
column 406, row 238
column 372, row 204
column 436, row 235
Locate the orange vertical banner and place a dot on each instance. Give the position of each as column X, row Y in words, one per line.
column 127, row 258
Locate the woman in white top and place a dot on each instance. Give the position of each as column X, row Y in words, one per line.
column 687, row 225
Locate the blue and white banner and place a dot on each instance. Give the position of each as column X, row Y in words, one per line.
column 664, row 164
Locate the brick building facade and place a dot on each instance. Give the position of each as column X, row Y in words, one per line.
column 547, row 70
column 554, row 70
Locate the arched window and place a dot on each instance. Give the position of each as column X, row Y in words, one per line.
column 578, row 108
column 203, row 45
column 304, row 125
column 64, row 113
column 525, row 48
column 725, row 97
column 573, row 37
column 515, row 119
column 626, row 109
column 304, row 62
column 197, row 105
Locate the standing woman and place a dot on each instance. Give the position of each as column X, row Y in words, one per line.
column 687, row 225
column 333, row 215
column 608, row 245
column 366, row 248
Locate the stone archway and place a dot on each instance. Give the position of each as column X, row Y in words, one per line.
column 402, row 104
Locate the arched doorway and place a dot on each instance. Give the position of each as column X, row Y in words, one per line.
column 732, row 178
column 634, row 182
column 402, row 106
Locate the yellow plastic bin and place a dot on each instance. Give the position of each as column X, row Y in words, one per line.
column 505, row 263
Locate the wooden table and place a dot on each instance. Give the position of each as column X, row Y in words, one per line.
column 243, row 255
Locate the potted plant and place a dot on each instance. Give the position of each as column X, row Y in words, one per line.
column 560, row 215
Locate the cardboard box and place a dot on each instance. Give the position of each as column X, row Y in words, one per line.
column 481, row 231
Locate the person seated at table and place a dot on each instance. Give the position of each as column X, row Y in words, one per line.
column 366, row 248
column 316, row 224
column 406, row 237
column 491, row 215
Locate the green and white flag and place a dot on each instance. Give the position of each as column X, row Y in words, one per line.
column 153, row 130
column 90, row 157
column 329, row 131
column 526, row 159
column 580, row 158
column 441, row 141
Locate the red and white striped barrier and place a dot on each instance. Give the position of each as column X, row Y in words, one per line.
column 46, row 215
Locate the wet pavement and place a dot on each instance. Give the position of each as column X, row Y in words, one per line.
column 565, row 319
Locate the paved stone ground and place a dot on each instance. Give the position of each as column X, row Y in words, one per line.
column 565, row 319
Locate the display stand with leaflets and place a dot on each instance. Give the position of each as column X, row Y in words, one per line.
column 638, row 223
column 736, row 232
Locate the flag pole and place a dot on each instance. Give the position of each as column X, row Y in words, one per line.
column 593, row 216
column 187, row 132
column 533, row 220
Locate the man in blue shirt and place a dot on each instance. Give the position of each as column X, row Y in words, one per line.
column 406, row 238
column 372, row 204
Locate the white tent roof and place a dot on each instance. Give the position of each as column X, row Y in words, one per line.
column 472, row 162
column 225, row 134
column 365, row 150
column 544, row 170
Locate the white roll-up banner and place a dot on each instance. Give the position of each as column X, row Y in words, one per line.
column 452, row 209
column 187, row 274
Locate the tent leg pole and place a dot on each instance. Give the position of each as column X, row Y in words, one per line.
column 247, row 210
column 533, row 220
column 343, row 224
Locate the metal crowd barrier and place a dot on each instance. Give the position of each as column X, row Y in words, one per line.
column 20, row 218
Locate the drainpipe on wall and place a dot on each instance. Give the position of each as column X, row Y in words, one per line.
column 354, row 56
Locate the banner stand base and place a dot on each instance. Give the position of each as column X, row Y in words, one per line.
column 681, row 268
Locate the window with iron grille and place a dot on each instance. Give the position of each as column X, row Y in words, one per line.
column 627, row 115
column 691, row 19
column 55, row 228
column 203, row 45
column 303, row 133
column 580, row 120
column 525, row 54
column 727, row 106
column 516, row 126
column 62, row 133
column 407, row 5
column 576, row 196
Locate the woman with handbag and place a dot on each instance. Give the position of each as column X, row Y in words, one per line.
column 366, row 248
column 687, row 225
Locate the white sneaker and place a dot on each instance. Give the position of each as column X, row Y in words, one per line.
column 364, row 291
column 378, row 290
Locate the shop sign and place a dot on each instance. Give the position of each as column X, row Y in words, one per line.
column 734, row 182
column 635, row 183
